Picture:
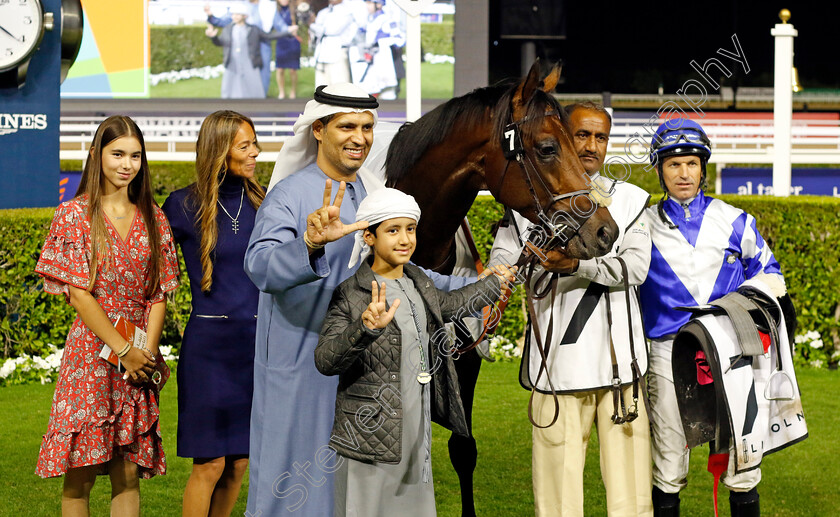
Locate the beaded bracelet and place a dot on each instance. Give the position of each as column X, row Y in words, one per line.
column 125, row 350
column 309, row 243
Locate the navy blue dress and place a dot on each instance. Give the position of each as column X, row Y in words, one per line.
column 287, row 47
column 216, row 366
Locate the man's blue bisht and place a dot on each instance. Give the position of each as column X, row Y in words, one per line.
column 294, row 405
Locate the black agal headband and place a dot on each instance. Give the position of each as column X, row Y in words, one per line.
column 347, row 102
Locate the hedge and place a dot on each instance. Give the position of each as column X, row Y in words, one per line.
column 182, row 48
column 802, row 231
column 186, row 46
column 436, row 38
column 169, row 176
column 31, row 318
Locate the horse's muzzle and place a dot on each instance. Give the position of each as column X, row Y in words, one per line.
column 595, row 237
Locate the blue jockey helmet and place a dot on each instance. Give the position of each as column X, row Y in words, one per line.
column 679, row 137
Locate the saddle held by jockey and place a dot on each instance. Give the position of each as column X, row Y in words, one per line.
column 752, row 400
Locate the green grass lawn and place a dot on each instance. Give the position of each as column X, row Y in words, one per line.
column 798, row 481
column 437, row 83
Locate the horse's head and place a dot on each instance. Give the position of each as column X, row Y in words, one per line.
column 536, row 171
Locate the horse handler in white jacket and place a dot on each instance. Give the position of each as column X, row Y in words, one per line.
column 596, row 354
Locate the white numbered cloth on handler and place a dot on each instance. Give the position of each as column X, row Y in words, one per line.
column 579, row 356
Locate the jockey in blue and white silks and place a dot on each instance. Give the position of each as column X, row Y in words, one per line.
column 701, row 249
column 713, row 250
column 379, row 74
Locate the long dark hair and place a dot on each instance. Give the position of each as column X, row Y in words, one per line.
column 215, row 139
column 139, row 194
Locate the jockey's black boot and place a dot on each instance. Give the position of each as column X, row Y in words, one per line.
column 744, row 504
column 664, row 504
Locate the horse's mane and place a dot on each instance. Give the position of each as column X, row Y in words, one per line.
column 415, row 138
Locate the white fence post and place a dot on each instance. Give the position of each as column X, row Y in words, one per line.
column 782, row 104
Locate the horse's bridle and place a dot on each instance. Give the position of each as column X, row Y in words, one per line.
column 556, row 231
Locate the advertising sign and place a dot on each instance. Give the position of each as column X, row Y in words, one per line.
column 29, row 126
column 759, row 182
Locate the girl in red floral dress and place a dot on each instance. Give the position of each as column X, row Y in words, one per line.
column 110, row 253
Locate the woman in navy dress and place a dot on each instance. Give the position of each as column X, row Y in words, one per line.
column 287, row 49
column 212, row 221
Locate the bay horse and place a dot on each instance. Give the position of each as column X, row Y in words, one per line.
column 512, row 141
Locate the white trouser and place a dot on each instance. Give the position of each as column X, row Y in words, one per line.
column 670, row 452
column 337, row 71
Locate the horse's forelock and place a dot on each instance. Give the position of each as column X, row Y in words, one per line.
column 502, row 114
column 539, row 104
column 535, row 110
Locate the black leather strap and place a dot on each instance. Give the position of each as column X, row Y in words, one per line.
column 542, row 349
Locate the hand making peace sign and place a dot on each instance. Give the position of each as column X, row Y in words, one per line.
column 324, row 225
column 377, row 315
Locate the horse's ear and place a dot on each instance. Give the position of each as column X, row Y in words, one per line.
column 526, row 90
column 550, row 82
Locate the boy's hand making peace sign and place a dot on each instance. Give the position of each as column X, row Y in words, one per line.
column 377, row 315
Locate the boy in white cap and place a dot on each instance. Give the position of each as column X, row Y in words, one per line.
column 388, row 359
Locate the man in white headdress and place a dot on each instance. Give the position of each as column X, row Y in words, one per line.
column 297, row 257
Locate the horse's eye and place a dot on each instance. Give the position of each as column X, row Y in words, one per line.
column 547, row 150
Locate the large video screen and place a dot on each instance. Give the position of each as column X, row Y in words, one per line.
column 212, row 48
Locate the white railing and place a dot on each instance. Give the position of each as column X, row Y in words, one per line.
column 163, row 124
column 169, row 130
column 814, row 141
column 172, row 138
column 734, row 141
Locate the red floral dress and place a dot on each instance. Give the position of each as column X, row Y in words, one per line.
column 95, row 413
